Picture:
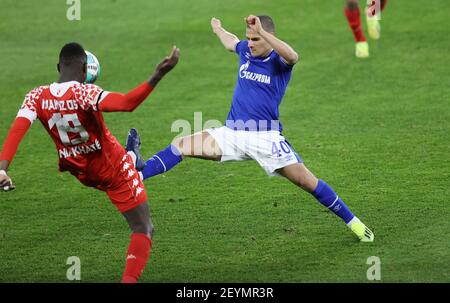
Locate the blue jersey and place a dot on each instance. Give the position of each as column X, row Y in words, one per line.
column 260, row 87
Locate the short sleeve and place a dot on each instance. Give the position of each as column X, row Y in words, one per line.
column 241, row 46
column 89, row 95
column 28, row 108
column 283, row 64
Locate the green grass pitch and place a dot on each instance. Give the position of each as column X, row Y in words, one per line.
column 377, row 130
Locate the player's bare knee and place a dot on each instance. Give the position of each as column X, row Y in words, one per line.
column 142, row 227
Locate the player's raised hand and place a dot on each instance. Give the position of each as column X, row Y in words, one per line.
column 253, row 23
column 165, row 66
column 215, row 24
column 5, row 182
column 169, row 62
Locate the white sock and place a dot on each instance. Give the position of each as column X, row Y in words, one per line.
column 355, row 219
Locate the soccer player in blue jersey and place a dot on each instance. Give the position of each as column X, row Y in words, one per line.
column 252, row 129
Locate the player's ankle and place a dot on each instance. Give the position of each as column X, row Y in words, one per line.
column 353, row 220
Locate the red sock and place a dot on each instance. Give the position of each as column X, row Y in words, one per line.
column 137, row 256
column 383, row 4
column 354, row 20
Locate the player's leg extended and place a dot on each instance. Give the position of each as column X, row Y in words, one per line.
column 300, row 175
column 352, row 13
column 140, row 223
column 200, row 145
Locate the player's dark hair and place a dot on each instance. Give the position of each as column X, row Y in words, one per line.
column 267, row 23
column 72, row 53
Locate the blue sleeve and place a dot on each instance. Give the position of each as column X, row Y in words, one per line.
column 282, row 64
column 241, row 46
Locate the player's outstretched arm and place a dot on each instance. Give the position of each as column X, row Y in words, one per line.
column 117, row 102
column 228, row 40
column 16, row 133
column 281, row 48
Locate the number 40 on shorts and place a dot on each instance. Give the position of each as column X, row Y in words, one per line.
column 278, row 148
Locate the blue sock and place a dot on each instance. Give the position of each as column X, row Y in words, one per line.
column 328, row 198
column 162, row 162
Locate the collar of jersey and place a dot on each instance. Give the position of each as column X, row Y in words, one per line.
column 261, row 57
column 59, row 89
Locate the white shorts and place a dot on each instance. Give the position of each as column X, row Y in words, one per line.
column 269, row 148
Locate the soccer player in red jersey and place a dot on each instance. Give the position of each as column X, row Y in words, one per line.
column 352, row 13
column 71, row 113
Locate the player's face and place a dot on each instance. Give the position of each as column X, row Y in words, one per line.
column 258, row 46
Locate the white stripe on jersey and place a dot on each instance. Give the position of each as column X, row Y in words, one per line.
column 102, row 96
column 27, row 113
